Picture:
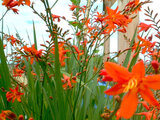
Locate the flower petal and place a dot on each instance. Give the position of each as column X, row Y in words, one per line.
column 27, row 2
column 148, row 96
column 139, row 69
column 153, row 81
column 118, row 73
column 116, row 89
column 129, row 104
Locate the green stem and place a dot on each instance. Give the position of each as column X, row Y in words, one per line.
column 4, row 15
column 54, row 4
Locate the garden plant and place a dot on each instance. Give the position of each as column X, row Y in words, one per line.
column 67, row 78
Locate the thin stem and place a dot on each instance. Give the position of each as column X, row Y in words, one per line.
column 54, row 4
column 4, row 14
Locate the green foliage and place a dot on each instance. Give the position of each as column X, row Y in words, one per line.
column 48, row 95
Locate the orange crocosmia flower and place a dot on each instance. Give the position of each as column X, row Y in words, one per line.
column 14, row 94
column 148, row 115
column 144, row 27
column 114, row 18
column 144, row 103
column 12, row 40
column 17, row 72
column 27, row 2
column 21, row 117
column 146, row 44
column 10, row 4
column 132, row 83
column 72, row 7
column 84, row 43
column 7, row 114
column 31, row 118
column 105, row 75
column 79, row 52
column 68, row 82
column 78, row 33
column 2, row 116
column 155, row 65
column 62, row 53
column 56, row 17
column 32, row 51
column 155, row 54
column 123, row 30
column 99, row 17
column 133, row 6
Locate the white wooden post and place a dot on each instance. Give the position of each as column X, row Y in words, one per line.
column 122, row 42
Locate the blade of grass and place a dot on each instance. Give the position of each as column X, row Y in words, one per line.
column 5, row 81
column 127, row 58
column 34, row 35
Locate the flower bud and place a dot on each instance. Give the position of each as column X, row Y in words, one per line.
column 117, row 98
column 155, row 65
column 21, row 117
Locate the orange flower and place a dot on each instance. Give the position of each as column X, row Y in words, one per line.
column 62, row 53
column 72, row 7
column 21, row 117
column 68, row 82
column 2, row 116
column 7, row 114
column 14, row 94
column 32, row 52
column 99, row 17
column 17, row 72
column 133, row 6
column 132, row 83
column 155, row 65
column 10, row 4
column 27, row 2
column 155, row 54
column 106, row 77
column 144, row 103
column 30, row 118
column 146, row 45
column 148, row 115
column 12, row 40
column 114, row 18
column 56, row 17
column 79, row 52
column 144, row 27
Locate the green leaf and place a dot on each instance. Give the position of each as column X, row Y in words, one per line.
column 127, row 58
column 34, row 35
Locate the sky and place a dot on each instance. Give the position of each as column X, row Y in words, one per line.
column 23, row 21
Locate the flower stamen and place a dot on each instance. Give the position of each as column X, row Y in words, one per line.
column 131, row 84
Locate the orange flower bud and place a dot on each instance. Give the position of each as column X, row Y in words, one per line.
column 155, row 65
column 30, row 118
column 20, row 117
